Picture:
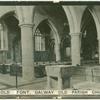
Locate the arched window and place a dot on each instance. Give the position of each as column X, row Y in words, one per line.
column 3, row 38
column 39, row 41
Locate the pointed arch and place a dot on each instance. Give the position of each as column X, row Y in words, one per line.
column 71, row 16
column 51, row 25
column 95, row 18
column 89, row 35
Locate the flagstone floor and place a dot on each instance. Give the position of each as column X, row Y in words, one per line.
column 9, row 82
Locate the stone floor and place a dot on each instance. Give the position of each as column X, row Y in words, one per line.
column 9, row 82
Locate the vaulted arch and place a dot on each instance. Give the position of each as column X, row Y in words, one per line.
column 57, row 21
column 71, row 15
column 89, row 35
column 13, row 37
column 48, row 36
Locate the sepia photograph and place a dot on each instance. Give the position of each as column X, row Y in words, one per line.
column 49, row 46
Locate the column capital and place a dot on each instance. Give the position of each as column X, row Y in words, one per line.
column 27, row 25
column 75, row 34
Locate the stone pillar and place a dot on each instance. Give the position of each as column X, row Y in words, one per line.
column 27, row 51
column 57, row 52
column 75, row 48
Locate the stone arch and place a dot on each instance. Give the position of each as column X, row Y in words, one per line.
column 97, row 22
column 9, row 11
column 51, row 25
column 71, row 16
column 59, row 33
column 89, row 48
column 95, row 17
column 37, row 24
column 54, row 35
column 10, row 23
column 8, row 14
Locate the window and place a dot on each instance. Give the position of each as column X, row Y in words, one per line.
column 3, row 38
column 39, row 41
